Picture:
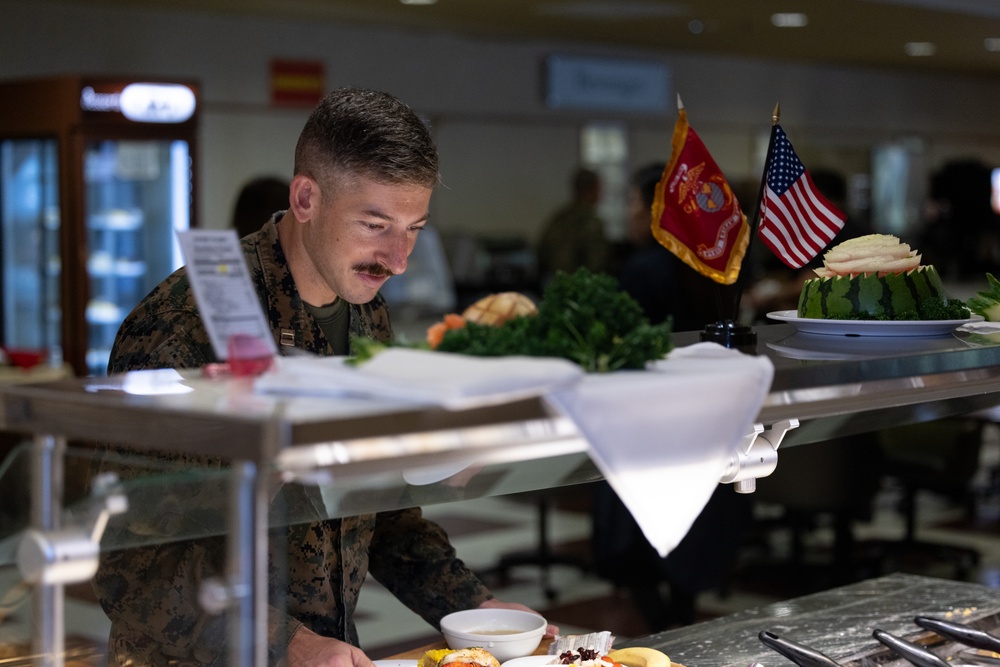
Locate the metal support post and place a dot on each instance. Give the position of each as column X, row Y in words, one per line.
column 243, row 591
column 46, row 504
column 247, row 564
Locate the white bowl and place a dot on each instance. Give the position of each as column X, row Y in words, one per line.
column 506, row 633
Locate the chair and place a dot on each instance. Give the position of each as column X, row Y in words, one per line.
column 836, row 479
column 543, row 555
column 939, row 457
column 704, row 560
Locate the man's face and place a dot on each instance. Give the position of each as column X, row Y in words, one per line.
column 362, row 233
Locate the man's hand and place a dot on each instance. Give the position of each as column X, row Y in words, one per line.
column 550, row 630
column 308, row 649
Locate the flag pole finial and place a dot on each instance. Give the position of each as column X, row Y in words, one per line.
column 776, row 114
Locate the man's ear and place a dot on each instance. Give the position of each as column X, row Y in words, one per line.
column 303, row 197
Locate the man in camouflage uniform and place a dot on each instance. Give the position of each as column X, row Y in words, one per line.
column 573, row 237
column 365, row 167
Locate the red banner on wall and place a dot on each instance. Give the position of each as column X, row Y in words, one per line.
column 298, row 83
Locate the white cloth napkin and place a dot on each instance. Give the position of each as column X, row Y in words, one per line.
column 437, row 378
column 663, row 437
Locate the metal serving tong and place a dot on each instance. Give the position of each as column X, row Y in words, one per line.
column 800, row 654
column 919, row 655
column 962, row 634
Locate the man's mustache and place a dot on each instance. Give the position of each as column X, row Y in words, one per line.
column 373, row 269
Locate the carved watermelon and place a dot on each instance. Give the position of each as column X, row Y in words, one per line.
column 871, row 296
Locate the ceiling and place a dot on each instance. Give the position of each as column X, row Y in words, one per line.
column 845, row 32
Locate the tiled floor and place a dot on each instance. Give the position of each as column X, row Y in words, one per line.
column 484, row 529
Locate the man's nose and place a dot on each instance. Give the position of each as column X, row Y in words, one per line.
column 396, row 251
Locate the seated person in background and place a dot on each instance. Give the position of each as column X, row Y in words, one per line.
column 259, row 199
column 353, row 218
column 574, row 236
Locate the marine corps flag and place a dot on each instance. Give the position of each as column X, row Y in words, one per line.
column 695, row 213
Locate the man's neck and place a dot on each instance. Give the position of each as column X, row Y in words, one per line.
column 311, row 287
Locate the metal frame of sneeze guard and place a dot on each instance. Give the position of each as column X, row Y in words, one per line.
column 807, row 402
column 756, row 456
column 55, row 556
column 69, row 555
column 269, row 430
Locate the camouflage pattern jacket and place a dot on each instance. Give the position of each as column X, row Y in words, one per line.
column 572, row 238
column 317, row 565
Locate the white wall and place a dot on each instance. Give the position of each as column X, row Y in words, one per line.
column 505, row 158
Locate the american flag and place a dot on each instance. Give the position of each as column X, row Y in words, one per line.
column 796, row 221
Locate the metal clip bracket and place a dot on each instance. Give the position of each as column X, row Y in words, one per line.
column 70, row 555
column 756, row 456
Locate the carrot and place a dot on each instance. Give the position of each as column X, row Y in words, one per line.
column 436, row 332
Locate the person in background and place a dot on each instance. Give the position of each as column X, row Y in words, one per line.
column 355, row 210
column 259, row 199
column 574, row 235
column 665, row 287
column 961, row 237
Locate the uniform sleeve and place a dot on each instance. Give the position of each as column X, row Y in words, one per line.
column 150, row 594
column 412, row 557
column 167, row 338
column 150, row 591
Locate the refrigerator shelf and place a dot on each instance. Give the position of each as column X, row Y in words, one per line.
column 104, row 265
column 116, row 220
column 104, row 312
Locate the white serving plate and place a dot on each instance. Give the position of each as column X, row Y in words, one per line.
column 870, row 327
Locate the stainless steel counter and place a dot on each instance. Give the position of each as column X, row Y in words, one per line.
column 832, row 384
column 842, row 385
column 838, row 623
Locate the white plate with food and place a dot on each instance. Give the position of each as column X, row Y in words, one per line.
column 530, row 661
column 395, row 663
column 870, row 327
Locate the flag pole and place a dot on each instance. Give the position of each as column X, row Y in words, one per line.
column 730, row 333
column 755, row 221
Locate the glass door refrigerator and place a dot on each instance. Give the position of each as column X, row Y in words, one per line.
column 96, row 175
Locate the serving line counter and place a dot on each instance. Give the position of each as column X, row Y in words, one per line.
column 839, row 624
column 376, row 454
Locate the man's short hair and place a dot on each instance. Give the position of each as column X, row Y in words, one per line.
column 358, row 132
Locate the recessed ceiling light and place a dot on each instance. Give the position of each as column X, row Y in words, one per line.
column 602, row 10
column 920, row 48
column 696, row 27
column 992, row 43
column 789, row 19
column 418, row 2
